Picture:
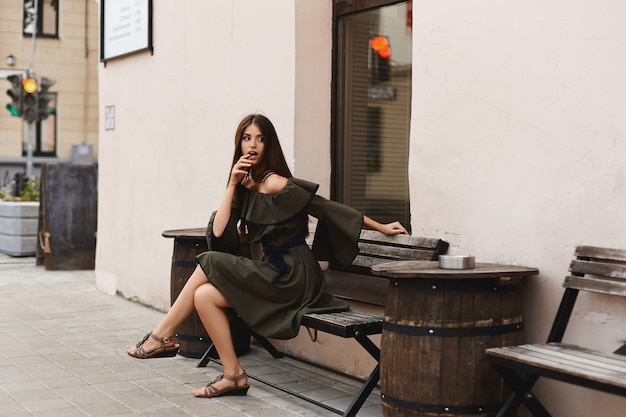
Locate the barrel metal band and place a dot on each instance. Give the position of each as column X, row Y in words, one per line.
column 192, row 338
column 486, row 285
column 184, row 263
column 438, row 408
column 452, row 331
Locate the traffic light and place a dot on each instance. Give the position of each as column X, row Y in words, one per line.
column 381, row 61
column 43, row 100
column 16, row 94
column 29, row 107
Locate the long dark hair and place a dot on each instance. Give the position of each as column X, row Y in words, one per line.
column 273, row 159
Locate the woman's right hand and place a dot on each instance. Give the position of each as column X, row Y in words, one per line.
column 240, row 170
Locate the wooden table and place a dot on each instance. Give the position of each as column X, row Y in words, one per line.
column 438, row 323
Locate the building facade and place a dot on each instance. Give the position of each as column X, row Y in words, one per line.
column 508, row 119
column 65, row 50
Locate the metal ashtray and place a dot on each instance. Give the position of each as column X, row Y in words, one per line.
column 456, row 262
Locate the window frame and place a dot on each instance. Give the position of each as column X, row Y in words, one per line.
column 40, row 21
column 343, row 8
column 51, row 122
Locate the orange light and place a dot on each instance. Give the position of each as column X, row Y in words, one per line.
column 381, row 45
column 30, row 85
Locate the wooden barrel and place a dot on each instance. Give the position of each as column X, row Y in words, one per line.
column 434, row 337
column 193, row 338
column 69, row 215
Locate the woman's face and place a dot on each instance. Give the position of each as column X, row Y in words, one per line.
column 252, row 144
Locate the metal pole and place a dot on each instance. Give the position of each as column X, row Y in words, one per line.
column 31, row 70
column 30, row 138
column 30, row 126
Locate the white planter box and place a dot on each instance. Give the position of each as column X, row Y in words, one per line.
column 18, row 227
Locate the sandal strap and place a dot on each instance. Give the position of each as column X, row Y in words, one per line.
column 161, row 341
column 210, row 391
column 235, row 378
column 143, row 340
column 140, row 351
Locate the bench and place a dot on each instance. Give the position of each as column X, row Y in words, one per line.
column 356, row 283
column 597, row 270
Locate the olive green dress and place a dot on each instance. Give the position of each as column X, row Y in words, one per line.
column 271, row 295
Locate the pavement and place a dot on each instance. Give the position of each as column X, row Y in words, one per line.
column 62, row 355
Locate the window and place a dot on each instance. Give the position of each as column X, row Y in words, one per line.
column 372, row 107
column 45, row 141
column 47, row 18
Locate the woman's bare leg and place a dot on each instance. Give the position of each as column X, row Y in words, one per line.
column 210, row 304
column 182, row 307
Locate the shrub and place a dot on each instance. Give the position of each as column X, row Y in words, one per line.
column 30, row 192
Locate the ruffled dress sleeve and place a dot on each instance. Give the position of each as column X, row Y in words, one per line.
column 337, row 233
column 229, row 241
column 273, row 209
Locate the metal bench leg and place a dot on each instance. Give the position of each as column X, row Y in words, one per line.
column 372, row 380
column 276, row 354
column 522, row 394
column 368, row 345
column 206, row 358
column 363, row 393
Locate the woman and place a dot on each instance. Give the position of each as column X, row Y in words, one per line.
column 262, row 203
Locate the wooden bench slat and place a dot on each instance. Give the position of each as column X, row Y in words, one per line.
column 345, row 323
column 411, row 241
column 394, row 252
column 603, row 269
column 568, row 360
column 600, row 253
column 367, row 261
column 604, row 286
column 567, row 353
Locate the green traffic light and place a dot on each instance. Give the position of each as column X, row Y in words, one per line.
column 13, row 110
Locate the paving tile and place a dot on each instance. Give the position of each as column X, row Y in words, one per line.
column 14, row 374
column 67, row 359
column 39, row 405
column 13, row 409
column 63, row 382
column 108, row 408
column 60, row 412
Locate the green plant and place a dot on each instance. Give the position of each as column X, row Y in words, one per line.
column 30, row 192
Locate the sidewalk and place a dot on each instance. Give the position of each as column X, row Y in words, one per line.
column 62, row 354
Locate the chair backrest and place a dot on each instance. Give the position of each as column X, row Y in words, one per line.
column 601, row 270
column 595, row 269
column 375, row 248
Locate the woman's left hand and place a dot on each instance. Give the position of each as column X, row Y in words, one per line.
column 394, row 228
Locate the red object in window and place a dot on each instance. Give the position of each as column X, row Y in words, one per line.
column 409, row 15
column 381, row 45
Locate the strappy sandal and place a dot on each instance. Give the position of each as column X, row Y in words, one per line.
column 161, row 352
column 211, row 391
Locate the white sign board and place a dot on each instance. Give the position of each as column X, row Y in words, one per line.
column 125, row 27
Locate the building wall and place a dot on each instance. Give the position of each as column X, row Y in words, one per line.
column 167, row 161
column 517, row 150
column 71, row 60
column 516, row 153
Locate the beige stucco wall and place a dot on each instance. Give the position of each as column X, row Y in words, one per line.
column 71, row 60
column 518, row 149
column 166, row 163
column 517, row 141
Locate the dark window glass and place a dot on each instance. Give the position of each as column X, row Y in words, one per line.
column 372, row 109
column 47, row 22
column 45, row 133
